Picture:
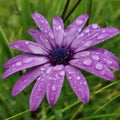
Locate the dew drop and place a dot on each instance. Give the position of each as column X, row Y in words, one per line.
column 99, row 66
column 53, row 88
column 87, row 62
column 78, row 78
column 19, row 63
column 79, row 22
column 87, row 30
column 94, row 26
column 95, row 57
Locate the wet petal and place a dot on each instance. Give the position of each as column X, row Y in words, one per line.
column 28, row 78
column 92, row 66
column 74, row 29
column 39, row 37
column 88, row 31
column 44, row 26
column 28, row 62
column 96, row 37
column 58, row 28
column 15, row 59
column 55, row 76
column 78, row 83
column 106, row 53
column 28, row 46
column 38, row 92
column 95, row 55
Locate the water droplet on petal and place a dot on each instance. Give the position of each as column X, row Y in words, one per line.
column 79, row 22
column 99, row 66
column 94, row 26
column 87, row 31
column 53, row 88
column 95, row 57
column 62, row 73
column 19, row 63
column 87, row 62
column 85, row 54
column 78, row 77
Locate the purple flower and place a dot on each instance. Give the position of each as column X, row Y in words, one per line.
column 61, row 52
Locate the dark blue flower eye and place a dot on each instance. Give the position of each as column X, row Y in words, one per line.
column 60, row 55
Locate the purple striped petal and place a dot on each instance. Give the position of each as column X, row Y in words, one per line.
column 74, row 29
column 99, row 57
column 58, row 28
column 28, row 46
column 94, row 67
column 38, row 92
column 55, row 76
column 28, row 78
column 39, row 37
column 78, row 83
column 96, row 37
column 28, row 62
column 44, row 26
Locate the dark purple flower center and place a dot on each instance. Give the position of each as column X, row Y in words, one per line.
column 60, row 55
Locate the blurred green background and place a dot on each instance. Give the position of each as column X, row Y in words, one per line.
column 15, row 20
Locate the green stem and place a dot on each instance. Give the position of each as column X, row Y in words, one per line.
column 17, row 115
column 65, row 9
column 71, row 11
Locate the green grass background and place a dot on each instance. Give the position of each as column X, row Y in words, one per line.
column 15, row 20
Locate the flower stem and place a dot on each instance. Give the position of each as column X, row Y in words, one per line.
column 71, row 11
column 65, row 9
column 89, row 11
column 19, row 114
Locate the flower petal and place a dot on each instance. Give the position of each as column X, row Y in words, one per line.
column 28, row 78
column 106, row 53
column 74, row 29
column 28, row 62
column 38, row 92
column 96, row 37
column 78, row 83
column 44, row 26
column 39, row 37
column 88, row 31
column 58, row 28
column 95, row 55
column 55, row 75
column 28, row 46
column 94, row 67
column 15, row 59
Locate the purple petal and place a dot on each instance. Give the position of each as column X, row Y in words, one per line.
column 85, row 34
column 44, row 26
column 28, row 78
column 55, row 77
column 78, row 83
column 58, row 28
column 15, row 59
column 38, row 92
column 28, row 46
column 39, row 37
column 106, row 53
column 74, row 29
column 95, row 55
column 96, row 37
column 28, row 62
column 92, row 66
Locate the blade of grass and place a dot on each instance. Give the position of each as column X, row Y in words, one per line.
column 5, row 43
column 107, row 103
column 100, row 116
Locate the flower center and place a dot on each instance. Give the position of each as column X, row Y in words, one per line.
column 60, row 55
